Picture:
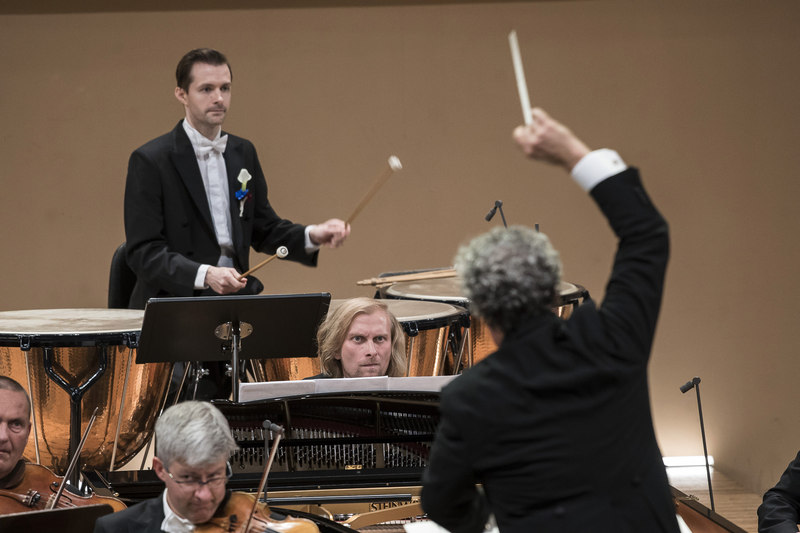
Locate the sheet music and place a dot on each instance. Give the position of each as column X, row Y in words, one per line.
column 280, row 389
column 429, row 526
column 419, row 383
column 275, row 389
column 351, row 384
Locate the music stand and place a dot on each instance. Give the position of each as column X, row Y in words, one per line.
column 211, row 328
column 78, row 519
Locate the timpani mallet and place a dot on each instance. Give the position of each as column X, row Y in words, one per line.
column 393, row 166
column 280, row 253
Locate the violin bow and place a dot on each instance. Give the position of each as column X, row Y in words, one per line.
column 72, row 464
column 278, row 430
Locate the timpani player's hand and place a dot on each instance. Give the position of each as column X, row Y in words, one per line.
column 224, row 280
column 331, row 233
column 546, row 139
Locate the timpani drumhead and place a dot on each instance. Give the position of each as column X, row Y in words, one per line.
column 427, row 315
column 61, row 324
column 448, row 290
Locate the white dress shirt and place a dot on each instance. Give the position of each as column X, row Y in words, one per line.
column 215, row 182
column 172, row 522
column 597, row 166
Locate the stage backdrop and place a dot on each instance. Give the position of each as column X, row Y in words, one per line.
column 702, row 96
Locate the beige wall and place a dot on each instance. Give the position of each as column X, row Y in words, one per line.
column 701, row 95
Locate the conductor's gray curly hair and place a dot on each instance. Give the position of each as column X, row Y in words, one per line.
column 508, row 275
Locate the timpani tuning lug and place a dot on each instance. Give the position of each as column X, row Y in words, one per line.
column 25, row 343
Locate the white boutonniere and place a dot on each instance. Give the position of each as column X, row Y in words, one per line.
column 244, row 193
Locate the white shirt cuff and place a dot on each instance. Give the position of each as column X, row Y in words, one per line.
column 200, row 278
column 310, row 246
column 597, row 166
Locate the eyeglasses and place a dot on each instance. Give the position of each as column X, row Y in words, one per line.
column 192, row 484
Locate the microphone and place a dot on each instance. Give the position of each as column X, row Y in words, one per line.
column 490, row 215
column 686, row 387
column 498, row 204
column 689, row 385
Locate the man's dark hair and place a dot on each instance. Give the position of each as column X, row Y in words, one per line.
column 7, row 383
column 183, row 74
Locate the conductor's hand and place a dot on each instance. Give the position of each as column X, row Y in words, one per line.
column 546, row 139
column 330, row 233
column 224, row 280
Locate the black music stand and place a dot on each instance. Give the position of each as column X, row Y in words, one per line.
column 212, row 328
column 78, row 519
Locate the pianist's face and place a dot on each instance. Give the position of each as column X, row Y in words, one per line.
column 367, row 348
column 14, row 428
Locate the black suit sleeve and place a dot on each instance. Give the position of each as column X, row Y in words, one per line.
column 632, row 301
column 152, row 252
column 780, row 510
column 449, row 492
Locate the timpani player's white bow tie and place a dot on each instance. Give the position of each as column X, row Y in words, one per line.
column 205, row 146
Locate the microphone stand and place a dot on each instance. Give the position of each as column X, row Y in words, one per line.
column 686, row 387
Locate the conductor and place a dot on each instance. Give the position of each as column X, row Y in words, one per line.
column 556, row 423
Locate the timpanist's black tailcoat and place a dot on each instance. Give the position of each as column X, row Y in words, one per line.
column 168, row 226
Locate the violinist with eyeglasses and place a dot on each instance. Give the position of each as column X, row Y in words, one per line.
column 193, row 447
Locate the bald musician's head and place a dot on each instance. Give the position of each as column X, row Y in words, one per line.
column 15, row 425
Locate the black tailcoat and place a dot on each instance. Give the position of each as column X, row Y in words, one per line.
column 168, row 226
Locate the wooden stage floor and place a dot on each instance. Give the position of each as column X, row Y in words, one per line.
column 731, row 500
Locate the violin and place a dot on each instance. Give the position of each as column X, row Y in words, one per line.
column 237, row 515
column 37, row 491
column 245, row 513
column 38, row 480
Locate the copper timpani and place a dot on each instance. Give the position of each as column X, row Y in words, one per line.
column 50, row 351
column 433, row 333
column 448, row 290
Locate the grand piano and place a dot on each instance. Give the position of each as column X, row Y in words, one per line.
column 355, row 458
column 351, row 459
